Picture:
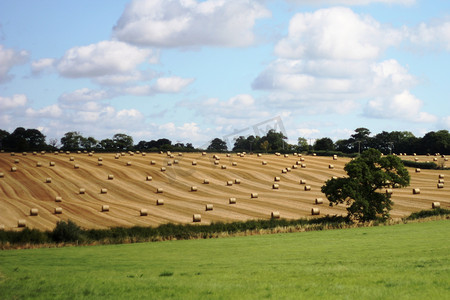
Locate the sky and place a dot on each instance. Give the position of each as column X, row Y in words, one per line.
column 191, row 70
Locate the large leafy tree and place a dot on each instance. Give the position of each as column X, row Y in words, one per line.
column 217, row 145
column 367, row 174
column 71, row 140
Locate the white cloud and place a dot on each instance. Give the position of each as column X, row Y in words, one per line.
column 171, row 84
column 16, row 101
column 104, row 58
column 83, row 95
column 8, row 59
column 179, row 23
column 50, row 112
column 335, row 33
column 430, row 36
column 403, row 106
column 42, row 65
column 352, row 2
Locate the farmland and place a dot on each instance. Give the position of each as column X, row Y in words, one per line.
column 40, row 178
column 406, row 261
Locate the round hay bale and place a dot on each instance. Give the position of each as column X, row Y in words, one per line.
column 58, row 199
column 435, row 159
column 229, row 182
column 52, row 164
column 12, row 154
column 416, row 159
column 128, row 163
column 216, row 162
column 416, row 191
column 237, row 181
column 2, row 175
column 13, row 169
column 100, row 159
column 180, row 154
column 254, row 195
column 330, row 166
column 209, row 207
column 294, row 167
column 228, row 155
column 82, row 191
column 288, row 169
column 302, row 159
column 117, row 156
column 110, row 177
column 103, row 191
column 34, row 212
column 259, row 154
column 16, row 161
column 171, row 156
column 48, row 180
column 149, row 178
column 203, row 153
column 105, row 208
column 435, row 205
column 21, row 223
column 318, row 201
column 153, row 162
column 335, row 157
column 196, row 218
column 100, row 163
column 286, row 155
column 275, row 186
column 144, row 212
column 159, row 202
column 159, row 190
column 163, row 169
column 440, row 185
column 205, row 181
column 441, row 176
column 389, row 191
column 440, row 180
column 276, row 178
column 193, row 188
column 71, row 158
column 169, row 163
column 264, row 162
column 234, row 164
column 144, row 154
column 307, row 187
column 38, row 164
column 24, row 153
column 2, row 227
column 284, row 171
column 417, row 170
column 275, row 215
column 232, row 200
column 334, row 177
column 194, row 162
column 76, row 166
column 302, row 181
column 58, row 210
column 315, row 211
column 303, row 166
column 224, row 167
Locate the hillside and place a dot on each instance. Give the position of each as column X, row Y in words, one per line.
column 130, row 191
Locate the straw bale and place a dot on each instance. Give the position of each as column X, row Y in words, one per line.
column 232, row 200
column 307, row 187
column 275, row 215
column 144, row 212
column 416, row 191
column 21, row 223
column 318, row 201
column 58, row 210
column 435, row 205
column 196, row 218
column 105, row 207
column 58, row 199
column 254, row 195
column 34, row 212
column 159, row 202
column 209, row 207
column 315, row 211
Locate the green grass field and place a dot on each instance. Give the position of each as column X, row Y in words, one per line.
column 410, row 261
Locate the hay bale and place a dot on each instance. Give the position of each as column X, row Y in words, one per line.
column 264, row 162
column 288, row 169
column 275, row 215
column 307, row 187
column 335, row 157
column 193, row 188
column 440, row 185
column 144, row 212
column 232, row 200
column 117, row 156
column 389, row 191
column 144, row 154
column 416, row 191
column 13, row 154
column 284, row 171
column 169, row 163
column 286, row 155
column 194, row 162
column 159, row 190
column 196, row 218
column 435, row 205
column 58, row 210
column 259, row 154
column 21, row 223
column 48, row 180
column 52, row 164
column 153, row 162
column 237, row 181
column 417, row 170
column 2, row 175
column 163, row 169
column 103, row 191
column 302, row 181
column 128, row 163
column 105, row 208
column 416, row 159
column 314, row 154
column 203, row 153
column 334, row 177
column 2, row 227
column 302, row 159
column 159, row 202
column 224, row 167
column 58, row 199
column 254, row 195
column 82, row 191
column 34, row 212
column 294, row 167
column 16, row 161
column 318, row 201
column 276, row 178
column 76, row 166
column 149, row 178
column 205, row 181
column 228, row 155
column 315, row 211
column 216, row 162
column 229, row 183
column 330, row 166
column 38, row 164
column 440, row 180
column 100, row 159
column 303, row 166
column 180, row 154
column 441, row 176
column 209, row 207
column 13, row 169
column 234, row 164
column 275, row 186
column 100, row 163
column 110, row 177
column 71, row 158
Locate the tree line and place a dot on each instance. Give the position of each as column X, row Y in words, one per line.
column 22, row 139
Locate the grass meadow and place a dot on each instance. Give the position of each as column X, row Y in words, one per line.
column 406, row 261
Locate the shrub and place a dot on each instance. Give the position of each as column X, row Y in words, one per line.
column 67, row 232
column 428, row 213
column 420, row 165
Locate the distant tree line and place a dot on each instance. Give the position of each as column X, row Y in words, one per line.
column 22, row 139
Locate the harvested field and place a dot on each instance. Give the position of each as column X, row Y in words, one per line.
column 131, row 191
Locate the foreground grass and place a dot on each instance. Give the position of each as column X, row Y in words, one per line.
column 406, row 261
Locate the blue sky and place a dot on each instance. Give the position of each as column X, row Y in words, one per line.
column 192, row 70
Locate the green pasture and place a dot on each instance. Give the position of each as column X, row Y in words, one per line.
column 408, row 261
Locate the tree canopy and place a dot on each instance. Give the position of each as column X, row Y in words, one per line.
column 361, row 190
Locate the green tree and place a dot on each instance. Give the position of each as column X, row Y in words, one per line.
column 265, row 146
column 302, row 144
column 324, row 144
column 367, row 174
column 71, row 140
column 217, row 145
column 123, row 142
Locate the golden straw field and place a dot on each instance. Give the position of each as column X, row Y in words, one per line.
column 136, row 184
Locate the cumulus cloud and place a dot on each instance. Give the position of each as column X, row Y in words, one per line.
column 42, row 65
column 171, row 84
column 84, row 95
column 8, row 59
column 352, row 2
column 430, row 36
column 180, row 23
column 403, row 106
column 16, row 101
column 49, row 112
column 104, row 58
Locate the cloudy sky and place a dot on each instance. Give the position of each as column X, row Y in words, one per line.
column 191, row 70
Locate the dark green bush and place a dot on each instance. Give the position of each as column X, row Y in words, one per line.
column 421, row 165
column 67, row 232
column 428, row 213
